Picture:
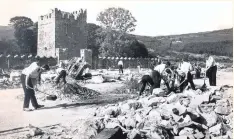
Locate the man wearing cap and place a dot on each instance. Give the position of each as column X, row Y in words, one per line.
column 211, row 70
column 33, row 72
column 185, row 73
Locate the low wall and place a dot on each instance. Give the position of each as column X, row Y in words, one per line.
column 22, row 62
column 105, row 63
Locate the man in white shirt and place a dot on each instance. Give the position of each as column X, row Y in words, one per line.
column 211, row 70
column 120, row 64
column 161, row 67
column 164, row 70
column 29, row 74
column 185, row 73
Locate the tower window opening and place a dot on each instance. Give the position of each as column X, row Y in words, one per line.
column 66, row 28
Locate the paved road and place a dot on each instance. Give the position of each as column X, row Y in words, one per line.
column 12, row 116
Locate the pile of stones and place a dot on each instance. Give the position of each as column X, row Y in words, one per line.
column 191, row 114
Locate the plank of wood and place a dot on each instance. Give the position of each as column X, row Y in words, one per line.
column 19, row 128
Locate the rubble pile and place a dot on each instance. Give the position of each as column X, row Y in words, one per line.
column 10, row 80
column 70, row 91
column 79, row 129
column 192, row 114
column 6, row 84
column 130, row 87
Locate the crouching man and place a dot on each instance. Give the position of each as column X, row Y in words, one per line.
column 61, row 73
column 33, row 72
column 154, row 80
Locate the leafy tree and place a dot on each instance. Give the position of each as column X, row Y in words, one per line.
column 138, row 49
column 32, row 37
column 25, row 33
column 92, row 37
column 118, row 19
column 8, row 47
column 116, row 22
column 4, row 47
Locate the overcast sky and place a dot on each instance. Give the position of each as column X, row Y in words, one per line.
column 153, row 17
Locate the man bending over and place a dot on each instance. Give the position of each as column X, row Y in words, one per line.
column 160, row 72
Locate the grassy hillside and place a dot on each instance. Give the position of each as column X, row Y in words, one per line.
column 6, row 32
column 218, row 42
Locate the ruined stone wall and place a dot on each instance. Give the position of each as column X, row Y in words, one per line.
column 87, row 55
column 112, row 62
column 62, row 30
column 70, row 32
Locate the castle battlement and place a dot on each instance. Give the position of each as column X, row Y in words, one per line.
column 80, row 15
column 59, row 29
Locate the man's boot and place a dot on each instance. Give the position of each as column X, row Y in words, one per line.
column 27, row 109
column 39, row 106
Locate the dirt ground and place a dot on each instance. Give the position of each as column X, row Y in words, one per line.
column 12, row 116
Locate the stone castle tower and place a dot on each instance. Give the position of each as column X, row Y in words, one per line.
column 62, row 34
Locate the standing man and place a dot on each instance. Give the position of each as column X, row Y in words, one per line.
column 211, row 70
column 198, row 70
column 159, row 61
column 120, row 65
column 61, row 73
column 186, row 76
column 33, row 72
column 138, row 66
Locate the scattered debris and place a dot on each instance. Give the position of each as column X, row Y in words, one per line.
column 193, row 114
column 173, row 116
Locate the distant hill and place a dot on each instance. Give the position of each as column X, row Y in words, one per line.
column 6, row 32
column 219, row 42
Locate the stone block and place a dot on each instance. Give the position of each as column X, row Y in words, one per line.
column 216, row 130
column 186, row 131
column 111, row 133
column 134, row 134
column 159, row 92
column 210, row 118
column 223, row 107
